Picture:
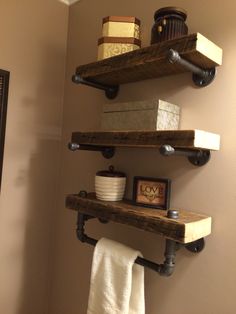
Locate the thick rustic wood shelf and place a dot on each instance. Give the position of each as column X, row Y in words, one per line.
column 189, row 139
column 152, row 62
column 187, row 228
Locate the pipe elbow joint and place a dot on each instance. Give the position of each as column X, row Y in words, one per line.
column 167, row 270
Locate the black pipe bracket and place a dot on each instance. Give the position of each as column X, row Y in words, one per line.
column 196, row 246
column 110, row 91
column 201, row 77
column 165, row 269
column 171, row 246
column 196, row 157
column 107, row 152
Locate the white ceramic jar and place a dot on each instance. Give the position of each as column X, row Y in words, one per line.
column 110, row 185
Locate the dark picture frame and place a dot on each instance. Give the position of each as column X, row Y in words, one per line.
column 4, row 88
column 152, row 192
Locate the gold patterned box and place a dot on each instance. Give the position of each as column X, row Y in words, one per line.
column 121, row 26
column 112, row 46
column 155, row 114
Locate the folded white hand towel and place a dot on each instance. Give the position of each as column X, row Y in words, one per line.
column 117, row 283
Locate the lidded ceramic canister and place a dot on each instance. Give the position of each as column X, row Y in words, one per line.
column 110, row 185
column 169, row 24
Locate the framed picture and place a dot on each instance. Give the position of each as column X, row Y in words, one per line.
column 152, row 192
column 4, row 85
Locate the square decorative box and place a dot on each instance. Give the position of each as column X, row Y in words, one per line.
column 155, row 114
column 121, row 26
column 112, row 46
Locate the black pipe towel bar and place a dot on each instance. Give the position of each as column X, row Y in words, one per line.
column 165, row 269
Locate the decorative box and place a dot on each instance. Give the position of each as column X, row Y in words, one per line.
column 112, row 46
column 152, row 115
column 121, row 26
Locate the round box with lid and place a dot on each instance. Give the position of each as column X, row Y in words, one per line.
column 169, row 24
column 110, row 185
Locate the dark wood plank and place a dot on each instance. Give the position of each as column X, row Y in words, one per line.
column 178, row 139
column 145, row 63
column 187, row 228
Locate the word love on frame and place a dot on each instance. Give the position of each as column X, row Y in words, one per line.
column 152, row 192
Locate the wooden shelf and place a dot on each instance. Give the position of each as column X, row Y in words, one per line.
column 189, row 139
column 187, row 228
column 152, row 62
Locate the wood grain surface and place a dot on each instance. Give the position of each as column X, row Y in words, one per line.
column 179, row 139
column 151, row 62
column 187, row 228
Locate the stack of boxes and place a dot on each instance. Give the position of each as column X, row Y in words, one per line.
column 120, row 34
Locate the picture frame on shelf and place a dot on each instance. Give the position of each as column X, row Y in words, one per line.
column 152, row 192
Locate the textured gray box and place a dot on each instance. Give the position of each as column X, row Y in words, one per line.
column 155, row 114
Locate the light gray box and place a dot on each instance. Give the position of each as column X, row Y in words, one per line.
column 155, row 114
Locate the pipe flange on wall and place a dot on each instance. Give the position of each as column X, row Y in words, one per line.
column 197, row 157
column 201, row 77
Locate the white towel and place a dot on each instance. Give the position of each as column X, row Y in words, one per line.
column 117, row 283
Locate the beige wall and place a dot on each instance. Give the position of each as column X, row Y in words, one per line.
column 33, row 47
column 203, row 283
